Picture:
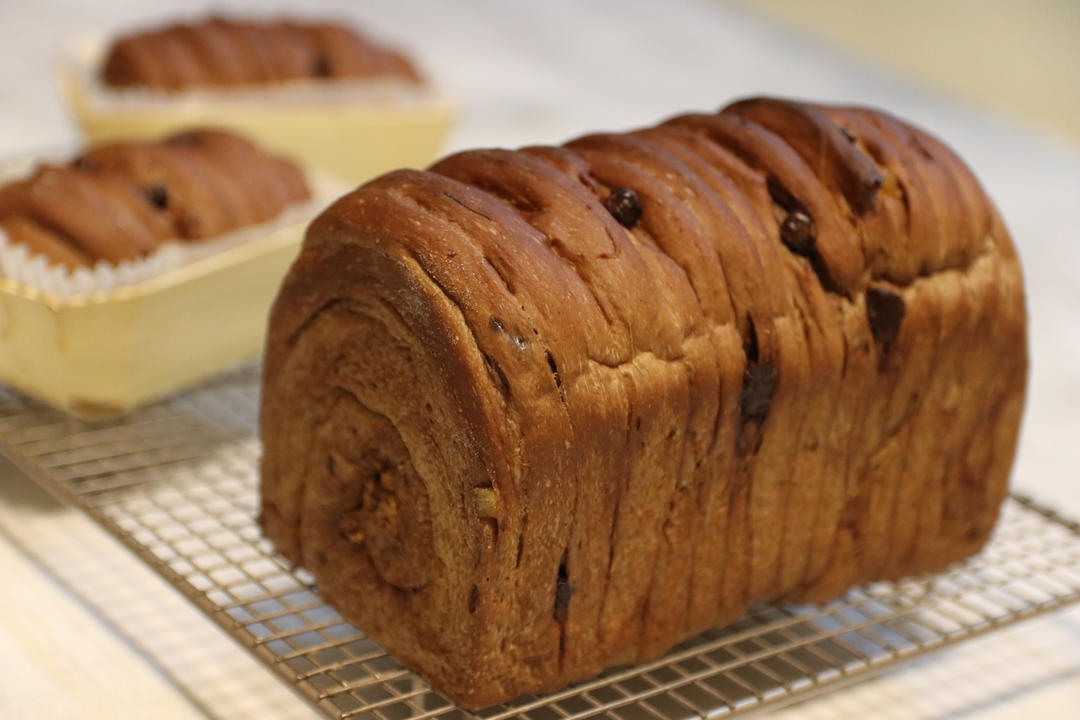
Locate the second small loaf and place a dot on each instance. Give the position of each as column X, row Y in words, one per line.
column 221, row 52
column 121, row 201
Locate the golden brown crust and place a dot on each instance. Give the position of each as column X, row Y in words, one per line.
column 627, row 386
column 40, row 240
column 224, row 52
column 122, row 200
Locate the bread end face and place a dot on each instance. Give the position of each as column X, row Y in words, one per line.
column 375, row 440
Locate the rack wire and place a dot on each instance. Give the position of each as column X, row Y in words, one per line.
column 177, row 483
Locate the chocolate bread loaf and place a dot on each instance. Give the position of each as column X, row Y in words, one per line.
column 122, row 201
column 223, row 52
column 529, row 414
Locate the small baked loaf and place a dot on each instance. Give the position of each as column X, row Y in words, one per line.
column 529, row 414
column 222, row 52
column 122, row 201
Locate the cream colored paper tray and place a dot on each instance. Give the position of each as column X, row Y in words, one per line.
column 107, row 353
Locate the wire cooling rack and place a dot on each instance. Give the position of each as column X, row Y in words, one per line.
column 177, row 483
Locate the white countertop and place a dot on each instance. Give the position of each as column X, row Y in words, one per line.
column 86, row 631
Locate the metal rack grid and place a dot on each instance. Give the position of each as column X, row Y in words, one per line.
column 176, row 482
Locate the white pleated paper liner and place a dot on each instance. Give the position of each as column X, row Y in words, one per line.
column 35, row 271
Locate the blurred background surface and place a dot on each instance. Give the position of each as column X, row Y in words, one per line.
column 85, row 630
column 1020, row 59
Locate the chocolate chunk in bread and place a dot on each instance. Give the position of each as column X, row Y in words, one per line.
column 884, row 312
column 624, row 206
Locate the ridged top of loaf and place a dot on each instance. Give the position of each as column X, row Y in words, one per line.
column 655, row 236
column 225, row 52
column 860, row 195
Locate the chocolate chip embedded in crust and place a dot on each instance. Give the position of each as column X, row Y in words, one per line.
column 157, row 195
column 847, row 134
column 759, row 381
column 797, row 232
column 885, row 312
column 562, row 599
column 750, row 342
column 563, row 591
column 321, row 67
column 625, row 206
